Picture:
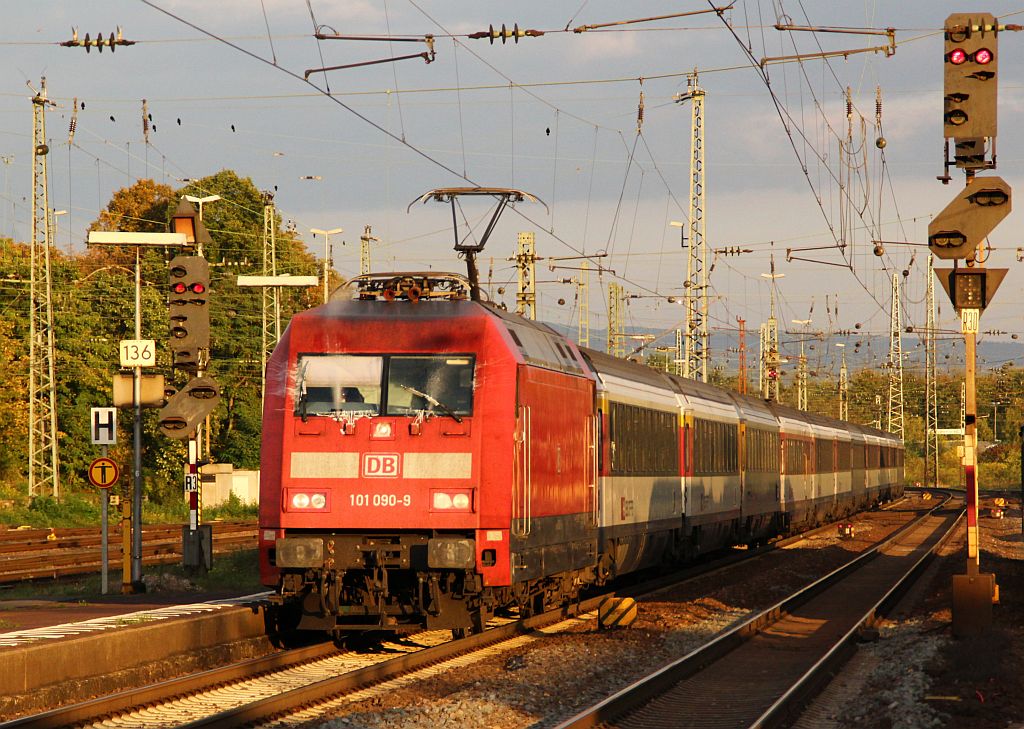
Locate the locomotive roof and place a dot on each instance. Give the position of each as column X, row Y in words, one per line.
column 538, row 343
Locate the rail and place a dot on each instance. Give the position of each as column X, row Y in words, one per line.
column 690, row 667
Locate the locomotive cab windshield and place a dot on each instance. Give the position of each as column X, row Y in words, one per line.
column 336, row 384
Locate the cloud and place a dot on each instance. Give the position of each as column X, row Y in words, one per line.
column 604, row 46
column 329, row 12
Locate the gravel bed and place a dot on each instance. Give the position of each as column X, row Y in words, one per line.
column 550, row 677
column 917, row 675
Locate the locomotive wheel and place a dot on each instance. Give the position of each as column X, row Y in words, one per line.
column 282, row 622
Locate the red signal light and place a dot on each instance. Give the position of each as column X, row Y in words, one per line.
column 198, row 288
column 983, row 56
column 958, row 56
column 178, row 287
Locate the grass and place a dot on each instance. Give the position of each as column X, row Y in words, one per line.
column 236, row 571
column 83, row 509
column 83, row 588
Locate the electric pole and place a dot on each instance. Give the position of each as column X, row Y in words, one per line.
column 364, row 248
column 43, row 464
column 895, row 421
column 271, row 297
column 741, row 384
column 616, row 343
column 844, row 390
column 695, row 364
column 770, row 359
column 801, row 370
column 583, row 292
column 526, row 259
column 931, row 401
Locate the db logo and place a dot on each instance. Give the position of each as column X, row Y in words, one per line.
column 381, row 465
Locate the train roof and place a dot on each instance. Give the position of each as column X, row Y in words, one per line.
column 624, row 368
column 538, row 343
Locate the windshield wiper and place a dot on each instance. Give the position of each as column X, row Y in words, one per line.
column 303, row 392
column 434, row 402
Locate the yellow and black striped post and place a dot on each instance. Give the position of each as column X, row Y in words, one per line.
column 616, row 612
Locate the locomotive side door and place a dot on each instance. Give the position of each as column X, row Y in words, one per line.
column 522, row 473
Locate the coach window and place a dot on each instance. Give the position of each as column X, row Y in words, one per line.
column 335, row 383
column 438, row 384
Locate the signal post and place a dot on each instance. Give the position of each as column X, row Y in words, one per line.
column 189, row 344
column 970, row 61
column 133, row 517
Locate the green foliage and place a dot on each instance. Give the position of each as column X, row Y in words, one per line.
column 94, row 308
column 73, row 510
column 232, row 510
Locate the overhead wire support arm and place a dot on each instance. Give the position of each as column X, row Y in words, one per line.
column 428, row 55
column 888, row 50
column 596, row 26
column 841, row 247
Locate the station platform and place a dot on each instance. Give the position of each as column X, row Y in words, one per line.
column 26, row 620
column 59, row 651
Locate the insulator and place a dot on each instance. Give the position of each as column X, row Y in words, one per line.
column 640, row 113
column 74, row 121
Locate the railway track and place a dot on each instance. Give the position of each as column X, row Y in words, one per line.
column 786, row 653
column 254, row 690
column 32, row 554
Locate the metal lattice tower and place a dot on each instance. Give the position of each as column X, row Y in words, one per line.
column 770, row 359
column 583, row 292
column 616, row 338
column 741, row 381
column 695, row 360
column 844, row 391
column 43, row 465
column 364, row 248
column 680, row 351
column 526, row 259
column 931, row 399
column 801, row 379
column 271, row 297
column 895, row 422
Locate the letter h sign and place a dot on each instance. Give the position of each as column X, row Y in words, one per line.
column 104, row 426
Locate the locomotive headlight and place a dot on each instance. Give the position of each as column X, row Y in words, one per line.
column 382, row 429
column 451, row 500
column 302, row 500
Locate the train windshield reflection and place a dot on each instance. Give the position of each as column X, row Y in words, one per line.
column 336, row 383
column 414, row 381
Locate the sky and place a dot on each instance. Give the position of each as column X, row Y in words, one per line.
column 554, row 115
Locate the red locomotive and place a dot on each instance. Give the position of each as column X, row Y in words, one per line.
column 429, row 459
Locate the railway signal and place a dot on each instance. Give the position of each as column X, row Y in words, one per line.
column 188, row 407
column 970, row 288
column 190, row 224
column 957, row 231
column 971, row 62
column 189, row 313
